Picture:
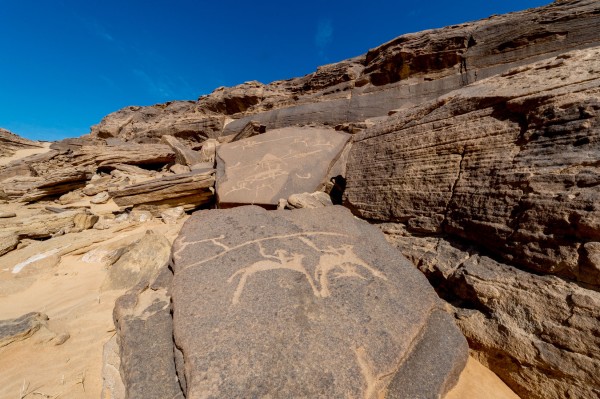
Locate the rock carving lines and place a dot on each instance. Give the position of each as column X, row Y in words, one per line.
column 376, row 384
column 334, row 263
column 261, row 176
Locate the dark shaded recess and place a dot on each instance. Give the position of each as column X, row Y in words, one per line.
column 337, row 191
column 147, row 166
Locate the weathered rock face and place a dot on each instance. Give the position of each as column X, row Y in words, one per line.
column 509, row 167
column 509, row 163
column 185, row 120
column 156, row 155
column 274, row 165
column 21, row 328
column 28, row 189
column 513, row 318
column 145, row 337
column 183, row 154
column 10, row 142
column 186, row 189
column 304, row 303
column 141, row 261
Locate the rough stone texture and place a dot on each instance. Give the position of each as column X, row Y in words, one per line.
column 141, row 261
column 436, row 362
column 10, row 142
column 172, row 215
column 183, row 154
column 538, row 333
column 29, row 189
column 208, row 153
column 16, row 170
column 274, row 165
column 252, row 128
column 112, row 384
column 145, row 335
column 100, row 198
column 40, row 226
column 336, row 316
column 509, row 163
column 149, row 155
column 21, row 328
column 318, row 199
column 186, row 189
column 8, row 242
column 185, row 120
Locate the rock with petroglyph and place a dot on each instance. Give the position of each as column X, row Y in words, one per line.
column 304, row 303
column 264, row 168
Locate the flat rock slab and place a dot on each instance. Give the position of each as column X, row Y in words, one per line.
column 262, row 169
column 305, row 303
column 187, row 189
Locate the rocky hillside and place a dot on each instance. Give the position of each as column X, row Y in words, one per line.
column 472, row 150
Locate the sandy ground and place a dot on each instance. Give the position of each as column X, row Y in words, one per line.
column 69, row 293
column 25, row 153
column 478, row 382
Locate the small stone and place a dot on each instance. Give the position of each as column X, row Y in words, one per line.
column 100, row 198
column 6, row 215
column 172, row 215
column 61, row 338
column 178, row 168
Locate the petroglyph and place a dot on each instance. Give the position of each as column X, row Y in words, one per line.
column 283, row 260
column 334, row 263
column 183, row 245
column 376, row 384
column 262, row 169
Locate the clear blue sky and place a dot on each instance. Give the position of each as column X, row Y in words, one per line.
column 67, row 63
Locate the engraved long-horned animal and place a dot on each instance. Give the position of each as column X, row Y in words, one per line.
column 342, row 258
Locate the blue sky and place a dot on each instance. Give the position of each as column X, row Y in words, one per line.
column 67, row 63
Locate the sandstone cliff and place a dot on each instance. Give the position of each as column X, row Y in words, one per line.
column 475, row 148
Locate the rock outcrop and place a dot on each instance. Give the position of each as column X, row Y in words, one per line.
column 508, row 165
column 408, row 70
column 189, row 190
column 10, row 142
column 474, row 148
column 305, row 303
column 265, row 168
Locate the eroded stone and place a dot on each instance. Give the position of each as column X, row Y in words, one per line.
column 303, row 303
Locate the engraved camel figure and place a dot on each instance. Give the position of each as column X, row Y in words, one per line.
column 341, row 258
column 283, row 261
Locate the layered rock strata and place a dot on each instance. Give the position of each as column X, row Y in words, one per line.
column 408, row 70
column 509, row 166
